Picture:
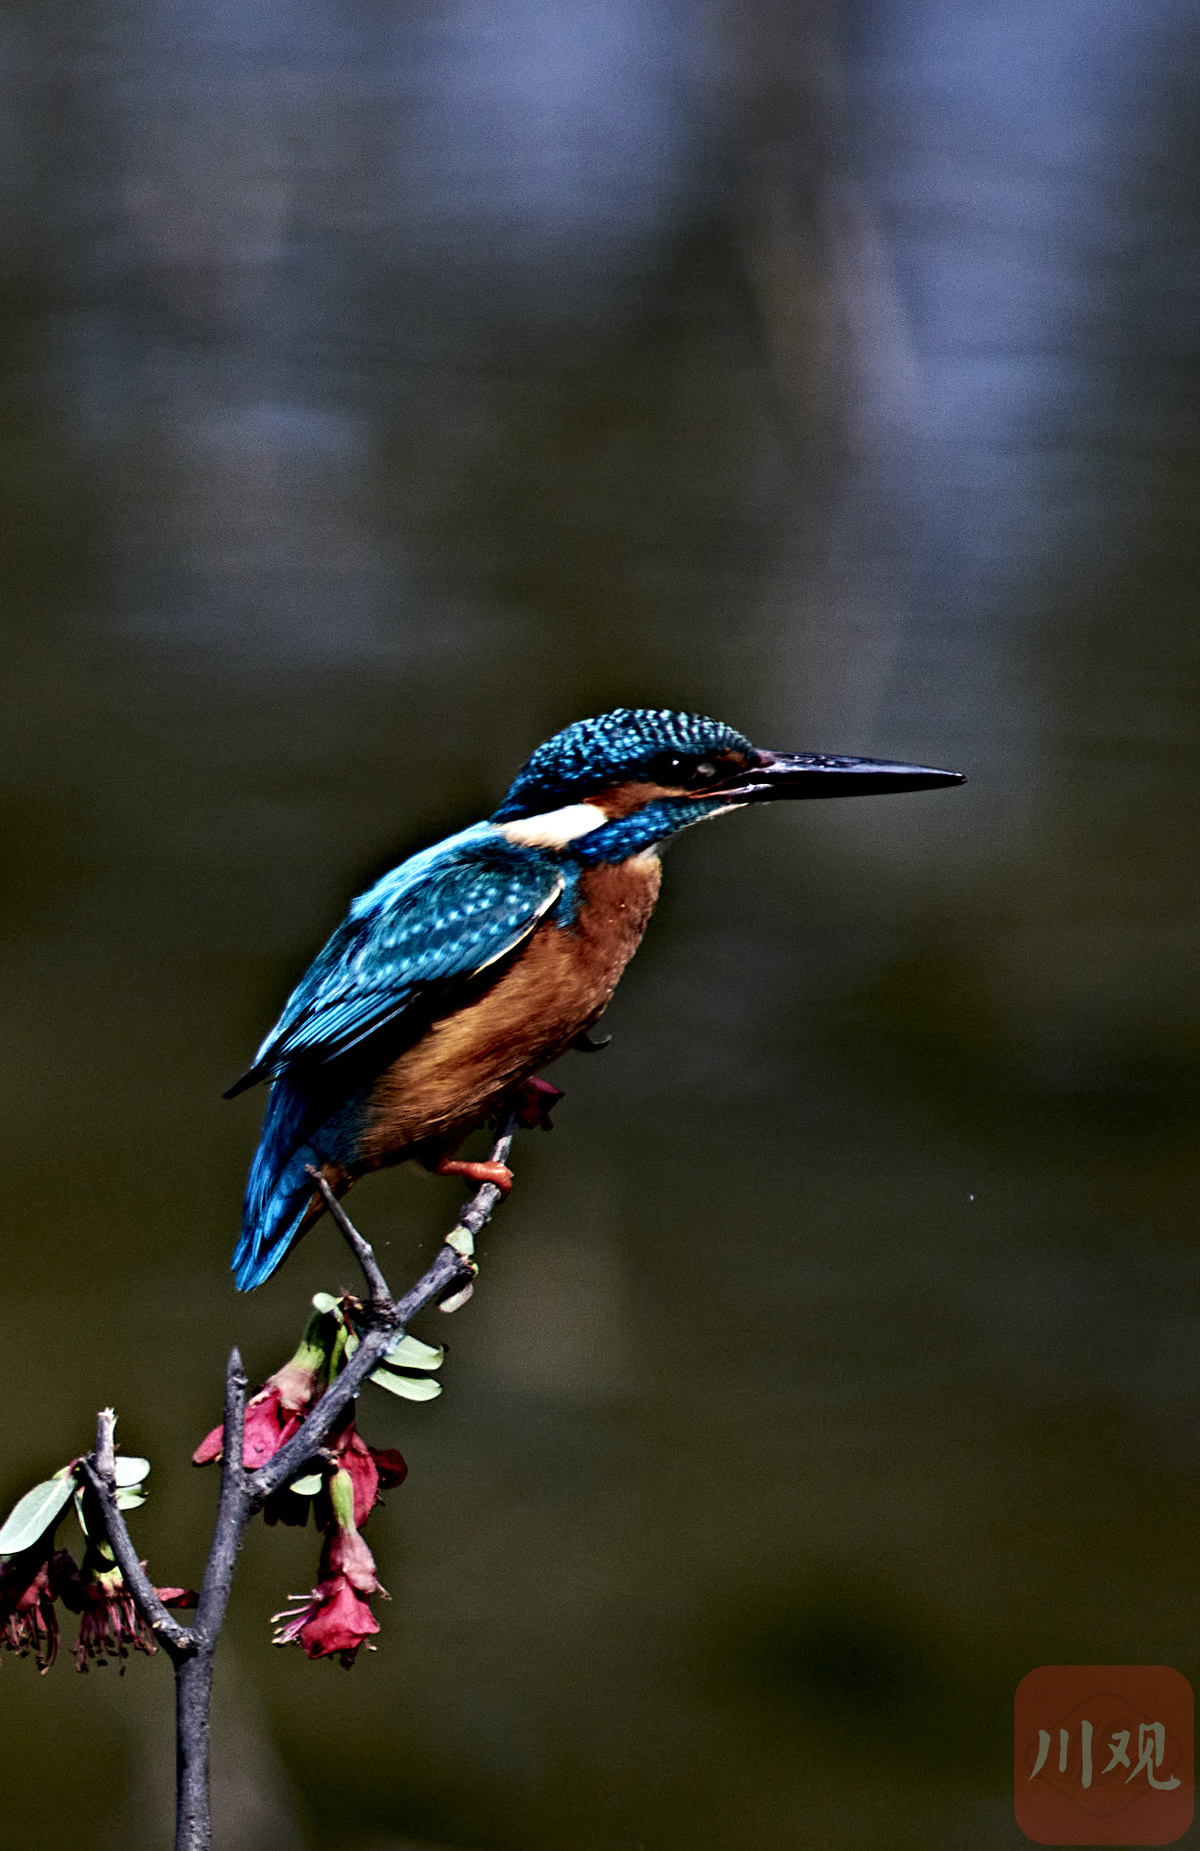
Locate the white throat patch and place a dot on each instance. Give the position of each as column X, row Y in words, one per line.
column 555, row 828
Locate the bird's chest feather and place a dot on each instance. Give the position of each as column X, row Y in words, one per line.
column 553, row 989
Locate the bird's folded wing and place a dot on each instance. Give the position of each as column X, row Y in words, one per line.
column 433, row 922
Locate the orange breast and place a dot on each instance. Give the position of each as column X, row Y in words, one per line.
column 555, row 987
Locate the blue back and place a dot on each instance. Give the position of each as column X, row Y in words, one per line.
column 427, row 927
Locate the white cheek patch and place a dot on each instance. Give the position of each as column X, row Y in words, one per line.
column 555, row 828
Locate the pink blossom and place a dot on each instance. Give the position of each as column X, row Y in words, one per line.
column 109, row 1622
column 274, row 1413
column 335, row 1620
column 29, row 1584
column 371, row 1469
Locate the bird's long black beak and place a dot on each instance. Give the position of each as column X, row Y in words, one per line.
column 814, row 774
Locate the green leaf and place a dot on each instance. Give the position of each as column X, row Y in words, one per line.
column 325, row 1302
column 129, row 1471
column 130, row 1499
column 410, row 1353
column 308, row 1486
column 408, row 1387
column 79, row 1509
column 35, row 1512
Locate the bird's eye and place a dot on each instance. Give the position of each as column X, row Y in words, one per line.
column 675, row 768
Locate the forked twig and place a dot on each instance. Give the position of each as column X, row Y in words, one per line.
column 192, row 1649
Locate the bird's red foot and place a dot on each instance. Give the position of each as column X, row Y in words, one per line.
column 483, row 1172
column 535, row 1101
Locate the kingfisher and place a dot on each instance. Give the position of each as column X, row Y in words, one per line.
column 477, row 962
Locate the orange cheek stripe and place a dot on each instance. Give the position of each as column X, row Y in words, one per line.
column 624, row 799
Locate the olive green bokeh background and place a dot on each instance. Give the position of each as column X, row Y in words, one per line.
column 380, row 389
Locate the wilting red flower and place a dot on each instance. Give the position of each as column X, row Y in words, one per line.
column 335, row 1619
column 372, row 1469
column 276, row 1411
column 269, row 1425
column 29, row 1584
column 110, row 1624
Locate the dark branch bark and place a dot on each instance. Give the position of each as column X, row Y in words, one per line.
column 193, row 1680
column 231, row 1512
column 483, row 1203
column 452, row 1267
column 100, row 1472
column 290, row 1460
column 193, row 1648
column 364, row 1253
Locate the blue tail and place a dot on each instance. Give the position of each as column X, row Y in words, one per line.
column 279, row 1190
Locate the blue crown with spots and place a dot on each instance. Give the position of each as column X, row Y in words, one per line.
column 592, row 755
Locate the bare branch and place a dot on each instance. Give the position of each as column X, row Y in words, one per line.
column 364, row 1253
column 233, row 1510
column 479, row 1210
column 106, row 1426
column 451, row 1268
column 448, row 1267
column 178, row 1639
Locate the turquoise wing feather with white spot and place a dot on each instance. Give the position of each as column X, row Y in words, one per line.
column 437, row 919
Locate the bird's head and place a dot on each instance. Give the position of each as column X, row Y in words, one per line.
column 612, row 786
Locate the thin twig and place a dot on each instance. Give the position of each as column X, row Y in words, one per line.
column 450, row 1268
column 106, row 1449
column 483, row 1203
column 232, row 1513
column 289, row 1460
column 364, row 1253
column 100, row 1473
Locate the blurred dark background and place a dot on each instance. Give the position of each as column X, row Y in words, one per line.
column 382, row 387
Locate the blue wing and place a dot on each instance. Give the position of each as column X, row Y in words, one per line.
column 435, row 921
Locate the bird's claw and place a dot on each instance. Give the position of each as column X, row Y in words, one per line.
column 498, row 1174
column 584, row 1044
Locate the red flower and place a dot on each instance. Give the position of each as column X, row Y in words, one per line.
column 29, row 1585
column 275, row 1412
column 371, row 1469
column 110, row 1623
column 335, row 1619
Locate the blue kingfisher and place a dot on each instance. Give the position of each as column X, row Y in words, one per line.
column 480, row 960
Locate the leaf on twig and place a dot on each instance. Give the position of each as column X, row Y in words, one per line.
column 130, row 1499
column 410, row 1353
column 325, row 1302
column 128, row 1470
column 408, row 1387
column 35, row 1512
column 308, row 1486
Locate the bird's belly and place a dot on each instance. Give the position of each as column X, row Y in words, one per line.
column 555, row 987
